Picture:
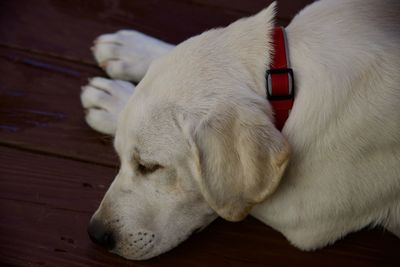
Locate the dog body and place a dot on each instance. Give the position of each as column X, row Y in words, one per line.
column 199, row 129
column 344, row 129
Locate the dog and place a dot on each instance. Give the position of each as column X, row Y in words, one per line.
column 196, row 137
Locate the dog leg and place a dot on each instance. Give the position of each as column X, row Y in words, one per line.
column 126, row 55
column 103, row 100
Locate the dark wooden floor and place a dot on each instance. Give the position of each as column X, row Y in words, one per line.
column 54, row 169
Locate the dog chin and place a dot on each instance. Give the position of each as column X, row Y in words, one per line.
column 156, row 249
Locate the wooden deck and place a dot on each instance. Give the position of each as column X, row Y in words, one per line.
column 54, row 169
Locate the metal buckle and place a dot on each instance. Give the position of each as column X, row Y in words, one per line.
column 287, row 71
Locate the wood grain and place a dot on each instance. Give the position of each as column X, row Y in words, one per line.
column 172, row 21
column 40, row 108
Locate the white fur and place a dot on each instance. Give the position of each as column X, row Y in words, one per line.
column 200, row 112
column 104, row 100
column 127, row 55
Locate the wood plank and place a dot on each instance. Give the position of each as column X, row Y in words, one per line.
column 40, row 108
column 46, row 203
column 36, row 235
column 287, row 9
column 46, row 236
column 54, row 182
column 173, row 21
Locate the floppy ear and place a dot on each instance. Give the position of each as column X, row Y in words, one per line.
column 240, row 158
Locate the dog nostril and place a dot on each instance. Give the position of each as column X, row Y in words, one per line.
column 100, row 235
column 108, row 240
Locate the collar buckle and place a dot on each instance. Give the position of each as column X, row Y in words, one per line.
column 272, row 96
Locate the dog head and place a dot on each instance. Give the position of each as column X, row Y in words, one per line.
column 196, row 141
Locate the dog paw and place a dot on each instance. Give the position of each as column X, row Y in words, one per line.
column 126, row 55
column 103, row 100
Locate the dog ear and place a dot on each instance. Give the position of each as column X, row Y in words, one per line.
column 251, row 36
column 240, row 158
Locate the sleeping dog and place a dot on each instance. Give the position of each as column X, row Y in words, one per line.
column 196, row 137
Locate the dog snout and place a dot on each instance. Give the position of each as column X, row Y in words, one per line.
column 101, row 234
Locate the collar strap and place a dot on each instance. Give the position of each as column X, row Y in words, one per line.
column 279, row 79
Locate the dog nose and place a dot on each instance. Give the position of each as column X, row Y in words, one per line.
column 100, row 234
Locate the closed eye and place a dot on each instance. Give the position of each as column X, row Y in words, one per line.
column 147, row 168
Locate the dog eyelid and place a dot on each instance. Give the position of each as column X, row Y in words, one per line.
column 144, row 167
column 147, row 168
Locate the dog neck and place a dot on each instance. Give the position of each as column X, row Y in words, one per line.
column 279, row 79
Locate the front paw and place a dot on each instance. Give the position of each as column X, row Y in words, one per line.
column 104, row 100
column 126, row 55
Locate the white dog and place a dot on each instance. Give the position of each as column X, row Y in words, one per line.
column 197, row 140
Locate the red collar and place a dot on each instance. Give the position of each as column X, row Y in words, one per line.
column 279, row 79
